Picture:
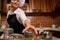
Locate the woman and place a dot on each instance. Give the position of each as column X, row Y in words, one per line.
column 17, row 19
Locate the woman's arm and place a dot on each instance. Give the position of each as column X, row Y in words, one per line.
column 29, row 26
column 27, row 23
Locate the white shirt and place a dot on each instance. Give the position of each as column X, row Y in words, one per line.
column 20, row 15
column 21, row 3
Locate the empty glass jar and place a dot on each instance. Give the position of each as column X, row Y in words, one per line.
column 29, row 35
column 46, row 35
column 16, row 37
column 7, row 32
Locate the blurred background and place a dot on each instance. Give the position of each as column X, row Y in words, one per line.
column 44, row 12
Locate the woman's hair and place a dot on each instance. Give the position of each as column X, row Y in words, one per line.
column 15, row 0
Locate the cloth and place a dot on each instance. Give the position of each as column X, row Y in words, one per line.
column 21, row 3
column 20, row 15
column 13, row 23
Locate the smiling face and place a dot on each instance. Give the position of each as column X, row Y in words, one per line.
column 15, row 3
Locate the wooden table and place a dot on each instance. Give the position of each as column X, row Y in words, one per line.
column 55, row 31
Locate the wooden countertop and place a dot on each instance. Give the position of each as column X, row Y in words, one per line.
column 49, row 28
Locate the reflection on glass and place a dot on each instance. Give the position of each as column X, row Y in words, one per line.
column 16, row 37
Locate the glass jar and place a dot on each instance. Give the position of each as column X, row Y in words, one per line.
column 7, row 32
column 29, row 35
column 16, row 37
column 46, row 35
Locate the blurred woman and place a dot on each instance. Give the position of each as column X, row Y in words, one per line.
column 17, row 19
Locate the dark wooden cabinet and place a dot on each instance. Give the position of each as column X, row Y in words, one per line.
column 0, row 19
column 35, row 5
column 1, row 5
column 43, row 5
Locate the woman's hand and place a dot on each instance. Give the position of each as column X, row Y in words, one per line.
column 34, row 30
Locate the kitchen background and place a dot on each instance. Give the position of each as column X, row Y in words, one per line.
column 41, row 12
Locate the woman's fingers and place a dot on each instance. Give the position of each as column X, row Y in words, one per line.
column 33, row 30
column 25, row 29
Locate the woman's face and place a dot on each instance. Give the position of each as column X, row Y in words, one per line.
column 15, row 3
